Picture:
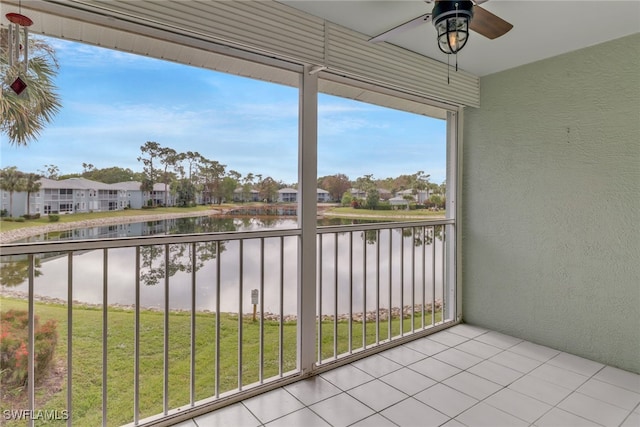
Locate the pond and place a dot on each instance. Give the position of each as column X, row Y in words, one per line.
column 346, row 282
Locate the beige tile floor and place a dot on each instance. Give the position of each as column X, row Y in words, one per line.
column 464, row 376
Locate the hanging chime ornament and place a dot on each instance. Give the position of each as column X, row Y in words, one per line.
column 18, row 47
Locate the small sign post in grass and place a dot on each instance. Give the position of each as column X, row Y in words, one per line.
column 254, row 301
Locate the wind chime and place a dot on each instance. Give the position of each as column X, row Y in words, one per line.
column 18, row 47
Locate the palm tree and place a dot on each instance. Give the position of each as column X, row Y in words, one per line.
column 11, row 181
column 24, row 116
column 31, row 185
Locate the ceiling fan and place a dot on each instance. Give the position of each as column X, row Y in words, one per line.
column 453, row 19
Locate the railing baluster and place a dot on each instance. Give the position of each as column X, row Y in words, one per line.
column 402, row 281
column 165, row 356
column 413, row 277
column 364, row 290
column 105, row 328
column 320, row 264
column 31, row 341
column 217, row 355
column 192, row 379
column 240, row 313
column 423, row 298
column 69, row 335
column 136, row 345
column 351, row 292
column 281, row 325
column 261, row 367
column 389, row 326
column 444, row 276
column 433, row 276
column 335, row 296
column 377, row 286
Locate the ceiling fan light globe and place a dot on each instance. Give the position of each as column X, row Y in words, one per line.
column 451, row 19
column 453, row 34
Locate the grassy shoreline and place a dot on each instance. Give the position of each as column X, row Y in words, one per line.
column 87, row 356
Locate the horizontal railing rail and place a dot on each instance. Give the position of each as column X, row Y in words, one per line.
column 8, row 249
column 382, row 225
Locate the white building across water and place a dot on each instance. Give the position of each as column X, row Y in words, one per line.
column 77, row 195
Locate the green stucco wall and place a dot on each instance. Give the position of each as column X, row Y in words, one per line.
column 551, row 203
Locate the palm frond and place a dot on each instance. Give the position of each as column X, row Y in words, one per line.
column 24, row 116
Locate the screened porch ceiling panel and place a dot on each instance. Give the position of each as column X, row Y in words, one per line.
column 248, row 38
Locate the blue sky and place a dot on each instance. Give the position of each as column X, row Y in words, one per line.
column 114, row 102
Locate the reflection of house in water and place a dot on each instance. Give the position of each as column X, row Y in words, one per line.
column 264, row 211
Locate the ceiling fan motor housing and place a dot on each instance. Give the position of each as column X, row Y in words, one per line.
column 448, row 8
column 451, row 19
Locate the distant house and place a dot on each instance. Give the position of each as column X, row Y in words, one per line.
column 76, row 195
column 16, row 203
column 287, row 195
column 357, row 193
column 361, row 194
column 239, row 195
column 384, row 194
column 419, row 197
column 157, row 195
column 290, row 195
column 134, row 195
column 323, row 196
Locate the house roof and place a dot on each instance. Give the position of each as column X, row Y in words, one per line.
column 74, row 184
column 293, row 190
column 241, row 190
column 128, row 185
column 287, row 190
column 410, row 191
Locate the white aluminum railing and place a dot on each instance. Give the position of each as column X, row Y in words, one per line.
column 403, row 284
column 378, row 282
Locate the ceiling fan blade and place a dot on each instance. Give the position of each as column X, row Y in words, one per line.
column 488, row 24
column 415, row 22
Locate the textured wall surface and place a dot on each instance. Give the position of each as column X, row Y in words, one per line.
column 551, row 203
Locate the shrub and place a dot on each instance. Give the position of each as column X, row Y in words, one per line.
column 54, row 218
column 346, row 199
column 13, row 347
column 19, row 219
column 34, row 216
column 4, row 213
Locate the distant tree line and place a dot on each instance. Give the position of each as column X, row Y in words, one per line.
column 186, row 174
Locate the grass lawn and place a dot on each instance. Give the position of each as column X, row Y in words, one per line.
column 87, row 358
column 397, row 215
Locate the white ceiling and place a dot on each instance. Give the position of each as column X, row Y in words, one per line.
column 542, row 29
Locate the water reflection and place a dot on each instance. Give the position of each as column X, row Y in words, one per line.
column 360, row 270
